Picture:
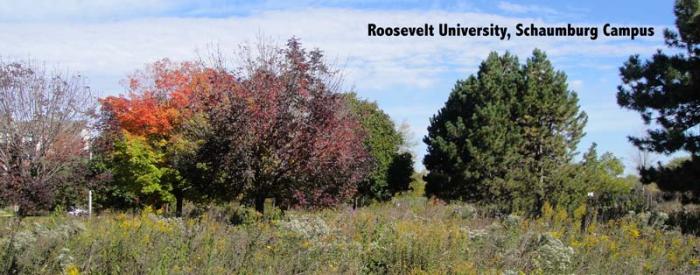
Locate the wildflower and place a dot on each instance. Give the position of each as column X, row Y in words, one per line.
column 512, row 272
column 612, row 246
column 513, row 220
column 547, row 212
column 576, row 244
column 65, row 258
column 658, row 219
column 146, row 240
column 72, row 270
column 580, row 213
column 561, row 216
column 590, row 241
column 476, row 234
column 556, row 234
column 467, row 267
column 672, row 257
column 632, row 231
column 591, row 228
column 551, row 255
column 310, row 228
column 163, row 226
column 695, row 262
column 125, row 224
column 146, row 211
column 121, row 216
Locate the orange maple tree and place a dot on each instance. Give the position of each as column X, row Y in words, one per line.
column 158, row 98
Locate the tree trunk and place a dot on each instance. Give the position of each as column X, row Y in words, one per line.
column 178, row 204
column 260, row 203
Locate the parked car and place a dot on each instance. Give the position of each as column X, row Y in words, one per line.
column 77, row 212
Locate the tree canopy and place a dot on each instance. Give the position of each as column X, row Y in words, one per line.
column 275, row 128
column 664, row 90
column 44, row 127
column 283, row 131
column 504, row 134
column 392, row 167
column 151, row 128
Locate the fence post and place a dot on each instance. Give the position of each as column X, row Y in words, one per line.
column 90, row 203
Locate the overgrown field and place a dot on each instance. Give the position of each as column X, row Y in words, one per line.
column 405, row 236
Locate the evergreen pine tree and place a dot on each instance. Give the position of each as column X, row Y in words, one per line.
column 471, row 139
column 504, row 135
column 666, row 90
column 551, row 125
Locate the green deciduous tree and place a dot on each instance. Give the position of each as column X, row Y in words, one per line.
column 392, row 167
column 504, row 135
column 138, row 174
column 665, row 90
column 599, row 175
column 182, row 153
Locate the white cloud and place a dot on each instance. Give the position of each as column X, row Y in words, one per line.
column 516, row 8
column 381, row 67
column 576, row 85
column 47, row 10
column 114, row 48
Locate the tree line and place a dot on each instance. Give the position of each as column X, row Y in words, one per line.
column 277, row 126
column 274, row 127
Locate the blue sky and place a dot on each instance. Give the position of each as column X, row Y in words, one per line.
column 409, row 78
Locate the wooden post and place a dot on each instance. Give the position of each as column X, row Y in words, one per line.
column 90, row 203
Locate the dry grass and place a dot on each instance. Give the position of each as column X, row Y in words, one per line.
column 407, row 236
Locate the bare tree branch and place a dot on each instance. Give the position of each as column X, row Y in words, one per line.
column 44, row 121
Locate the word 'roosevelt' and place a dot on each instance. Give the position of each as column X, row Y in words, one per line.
column 442, row 30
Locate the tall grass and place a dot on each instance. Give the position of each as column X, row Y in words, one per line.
column 406, row 236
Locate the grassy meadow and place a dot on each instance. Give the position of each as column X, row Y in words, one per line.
column 409, row 235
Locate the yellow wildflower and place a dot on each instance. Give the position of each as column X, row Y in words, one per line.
column 465, row 267
column 695, row 261
column 163, row 227
column 634, row 233
column 71, row 269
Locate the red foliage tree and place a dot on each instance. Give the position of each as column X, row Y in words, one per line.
column 275, row 128
column 283, row 132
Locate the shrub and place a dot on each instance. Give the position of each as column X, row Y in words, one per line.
column 551, row 255
column 463, row 211
column 687, row 221
column 245, row 216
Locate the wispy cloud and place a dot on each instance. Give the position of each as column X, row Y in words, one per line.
column 409, row 77
column 517, row 8
column 115, row 47
column 49, row 10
